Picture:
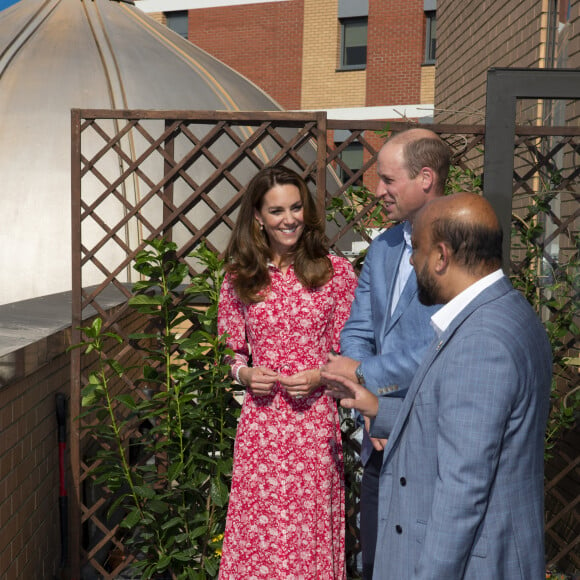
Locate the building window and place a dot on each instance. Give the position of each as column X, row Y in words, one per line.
column 431, row 37
column 353, row 43
column 178, row 22
column 352, row 158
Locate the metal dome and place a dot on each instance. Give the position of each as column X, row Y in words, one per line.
column 61, row 54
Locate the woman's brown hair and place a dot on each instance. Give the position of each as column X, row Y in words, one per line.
column 248, row 251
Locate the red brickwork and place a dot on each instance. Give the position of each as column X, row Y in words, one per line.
column 29, row 461
column 396, row 41
column 572, row 35
column 261, row 41
column 29, row 516
column 472, row 37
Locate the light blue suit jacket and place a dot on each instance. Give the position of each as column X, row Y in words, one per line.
column 390, row 347
column 461, row 487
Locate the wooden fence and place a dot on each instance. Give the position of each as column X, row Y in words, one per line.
column 140, row 175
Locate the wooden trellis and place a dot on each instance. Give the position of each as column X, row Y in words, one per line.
column 140, row 175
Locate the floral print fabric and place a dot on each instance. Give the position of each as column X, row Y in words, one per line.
column 286, row 512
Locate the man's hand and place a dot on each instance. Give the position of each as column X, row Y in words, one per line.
column 341, row 365
column 260, row 380
column 351, row 394
column 378, row 444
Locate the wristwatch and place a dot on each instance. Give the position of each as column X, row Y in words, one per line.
column 359, row 375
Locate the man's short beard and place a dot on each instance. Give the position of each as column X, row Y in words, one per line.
column 427, row 288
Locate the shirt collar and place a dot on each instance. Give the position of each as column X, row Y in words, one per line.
column 407, row 233
column 441, row 320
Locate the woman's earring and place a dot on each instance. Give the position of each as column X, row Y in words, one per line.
column 261, row 225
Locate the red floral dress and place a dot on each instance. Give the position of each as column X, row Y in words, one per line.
column 286, row 512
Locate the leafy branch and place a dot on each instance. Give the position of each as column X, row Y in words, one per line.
column 166, row 425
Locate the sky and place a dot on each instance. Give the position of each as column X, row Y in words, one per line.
column 6, row 3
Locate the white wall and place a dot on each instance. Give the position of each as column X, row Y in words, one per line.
column 172, row 5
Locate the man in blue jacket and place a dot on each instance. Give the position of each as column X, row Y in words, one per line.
column 388, row 330
column 461, row 486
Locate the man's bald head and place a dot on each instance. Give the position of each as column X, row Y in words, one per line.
column 467, row 224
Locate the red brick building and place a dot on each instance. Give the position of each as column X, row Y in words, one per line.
column 474, row 36
column 352, row 57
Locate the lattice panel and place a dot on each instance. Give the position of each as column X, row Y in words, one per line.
column 563, row 505
column 140, row 175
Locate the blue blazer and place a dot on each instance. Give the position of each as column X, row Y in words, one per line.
column 461, row 487
column 390, row 347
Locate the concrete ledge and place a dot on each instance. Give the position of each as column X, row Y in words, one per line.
column 33, row 332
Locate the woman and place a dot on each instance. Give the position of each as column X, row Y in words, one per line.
column 284, row 301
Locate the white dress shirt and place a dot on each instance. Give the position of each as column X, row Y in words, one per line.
column 444, row 317
column 405, row 268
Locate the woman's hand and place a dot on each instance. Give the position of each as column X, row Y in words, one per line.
column 260, row 380
column 301, row 384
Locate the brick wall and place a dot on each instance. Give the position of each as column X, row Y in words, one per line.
column 473, row 36
column 159, row 17
column 574, row 35
column 261, row 41
column 29, row 480
column 571, row 36
column 427, row 84
column 29, row 461
column 323, row 86
column 291, row 51
column 396, row 40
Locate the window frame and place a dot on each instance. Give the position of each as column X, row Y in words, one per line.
column 344, row 22
column 355, row 147
column 430, row 37
column 178, row 15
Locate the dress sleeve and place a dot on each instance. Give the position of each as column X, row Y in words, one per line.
column 344, row 285
column 231, row 320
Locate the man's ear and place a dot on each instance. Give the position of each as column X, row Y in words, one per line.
column 427, row 178
column 443, row 257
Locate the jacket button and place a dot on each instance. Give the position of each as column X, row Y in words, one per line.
column 403, row 481
column 398, row 529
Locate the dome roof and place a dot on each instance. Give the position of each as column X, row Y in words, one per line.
column 61, row 54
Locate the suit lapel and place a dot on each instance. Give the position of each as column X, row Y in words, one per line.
column 497, row 289
column 407, row 295
column 391, row 265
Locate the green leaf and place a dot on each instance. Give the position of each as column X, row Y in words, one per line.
column 126, row 400
column 96, row 326
column 163, row 563
column 115, row 504
column 157, row 506
column 95, row 378
column 142, row 285
column 144, row 491
column 131, row 519
column 144, row 300
column 172, row 523
column 211, row 566
column 197, row 532
column 143, row 335
column 174, row 470
column 219, row 492
column 89, row 399
column 114, row 336
column 115, row 366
